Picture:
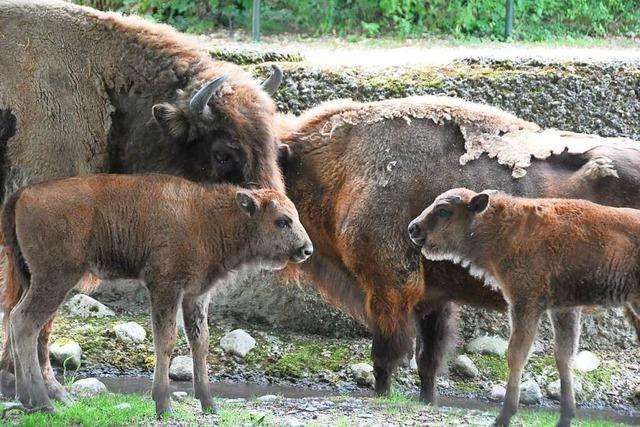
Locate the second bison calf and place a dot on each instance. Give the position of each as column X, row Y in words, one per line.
column 178, row 237
column 543, row 254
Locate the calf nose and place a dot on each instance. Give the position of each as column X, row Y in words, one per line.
column 303, row 253
column 415, row 233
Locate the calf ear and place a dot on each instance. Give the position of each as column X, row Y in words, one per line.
column 247, row 203
column 171, row 119
column 479, row 203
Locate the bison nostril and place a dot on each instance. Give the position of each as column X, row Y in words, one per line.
column 414, row 230
column 307, row 251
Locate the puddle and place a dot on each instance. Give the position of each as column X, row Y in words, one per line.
column 129, row 385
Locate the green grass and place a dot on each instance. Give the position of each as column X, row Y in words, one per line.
column 543, row 419
column 398, row 404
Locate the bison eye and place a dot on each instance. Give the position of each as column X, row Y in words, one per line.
column 283, row 223
column 222, row 158
column 443, row 213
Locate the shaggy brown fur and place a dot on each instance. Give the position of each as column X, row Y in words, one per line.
column 544, row 255
column 179, row 238
column 359, row 173
column 84, row 92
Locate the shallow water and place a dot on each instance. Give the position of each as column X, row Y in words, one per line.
column 129, row 385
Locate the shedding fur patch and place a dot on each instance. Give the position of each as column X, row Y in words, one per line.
column 486, row 130
column 600, row 167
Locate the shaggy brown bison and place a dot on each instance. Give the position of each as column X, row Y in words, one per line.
column 178, row 237
column 84, row 92
column 543, row 254
column 359, row 173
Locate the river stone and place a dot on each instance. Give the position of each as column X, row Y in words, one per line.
column 464, row 366
column 237, row 342
column 130, row 333
column 84, row 306
column 267, row 398
column 123, row 405
column 88, row 387
column 363, row 374
column 530, row 392
column 493, row 345
column 586, row 361
column 636, row 392
column 497, row 393
column 179, row 395
column 181, row 368
column 66, row 349
column 553, row 389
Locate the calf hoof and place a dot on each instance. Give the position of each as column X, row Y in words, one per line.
column 7, row 384
column 57, row 391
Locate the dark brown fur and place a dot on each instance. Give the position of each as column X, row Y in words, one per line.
column 550, row 255
column 179, row 238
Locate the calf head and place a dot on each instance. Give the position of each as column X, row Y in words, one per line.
column 223, row 132
column 443, row 229
column 276, row 234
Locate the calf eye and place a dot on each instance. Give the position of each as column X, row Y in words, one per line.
column 222, row 158
column 443, row 213
column 283, row 223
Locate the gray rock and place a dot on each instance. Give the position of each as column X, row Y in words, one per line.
column 84, row 306
column 530, row 392
column 130, row 333
column 237, row 342
column 267, row 398
column 553, row 388
column 465, row 367
column 493, row 345
column 363, row 374
column 181, row 368
column 497, row 393
column 88, row 387
column 413, row 364
column 586, row 361
column 65, row 349
column 636, row 392
column 123, row 405
column 179, row 395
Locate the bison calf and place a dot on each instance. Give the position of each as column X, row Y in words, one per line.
column 543, row 254
column 180, row 238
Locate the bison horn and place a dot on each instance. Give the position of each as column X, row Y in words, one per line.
column 200, row 100
column 271, row 84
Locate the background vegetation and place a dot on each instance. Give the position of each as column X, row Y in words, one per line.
column 534, row 20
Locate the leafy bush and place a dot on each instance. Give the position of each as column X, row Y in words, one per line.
column 533, row 19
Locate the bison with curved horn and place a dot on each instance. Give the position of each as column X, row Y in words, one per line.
column 359, row 173
column 87, row 92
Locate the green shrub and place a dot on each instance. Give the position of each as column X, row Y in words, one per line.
column 533, row 19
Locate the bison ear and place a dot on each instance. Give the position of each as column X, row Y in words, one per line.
column 247, row 203
column 284, row 154
column 479, row 203
column 171, row 119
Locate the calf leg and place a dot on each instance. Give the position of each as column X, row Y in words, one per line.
column 194, row 310
column 566, row 332
column 54, row 388
column 633, row 314
column 435, row 332
column 30, row 315
column 165, row 300
column 524, row 322
column 7, row 371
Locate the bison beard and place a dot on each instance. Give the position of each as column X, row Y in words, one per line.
column 359, row 173
column 88, row 92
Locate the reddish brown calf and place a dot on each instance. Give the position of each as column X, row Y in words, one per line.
column 543, row 254
column 178, row 237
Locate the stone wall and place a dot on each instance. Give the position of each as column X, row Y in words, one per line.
column 601, row 98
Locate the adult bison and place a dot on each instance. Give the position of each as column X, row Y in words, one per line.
column 359, row 173
column 84, row 92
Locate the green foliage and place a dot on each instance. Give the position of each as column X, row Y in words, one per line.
column 533, row 20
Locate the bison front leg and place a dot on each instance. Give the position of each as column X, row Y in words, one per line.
column 524, row 322
column 7, row 370
column 436, row 335
column 165, row 300
column 566, row 331
column 194, row 311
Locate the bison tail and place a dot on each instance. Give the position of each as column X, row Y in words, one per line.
column 16, row 273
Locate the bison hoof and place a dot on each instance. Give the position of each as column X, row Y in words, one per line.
column 163, row 411
column 7, row 384
column 429, row 398
column 209, row 408
column 501, row 422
